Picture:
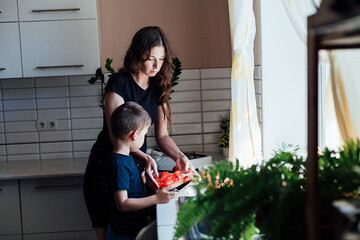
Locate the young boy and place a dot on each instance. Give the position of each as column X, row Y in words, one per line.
column 128, row 198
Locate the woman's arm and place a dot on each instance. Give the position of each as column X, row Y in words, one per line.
column 125, row 204
column 112, row 101
column 150, row 168
column 168, row 146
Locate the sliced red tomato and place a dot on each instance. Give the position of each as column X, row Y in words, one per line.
column 175, row 169
column 162, row 174
column 187, row 178
column 178, row 175
column 166, row 178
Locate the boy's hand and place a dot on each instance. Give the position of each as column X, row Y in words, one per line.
column 164, row 196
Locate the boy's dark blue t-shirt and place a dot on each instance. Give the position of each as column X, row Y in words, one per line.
column 124, row 175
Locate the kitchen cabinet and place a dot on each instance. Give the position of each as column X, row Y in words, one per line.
column 44, row 10
column 10, row 219
column 59, row 48
column 10, row 59
column 53, row 205
column 8, row 11
column 55, row 38
column 86, row 235
column 11, row 237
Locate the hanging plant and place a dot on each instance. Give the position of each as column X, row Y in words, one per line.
column 100, row 77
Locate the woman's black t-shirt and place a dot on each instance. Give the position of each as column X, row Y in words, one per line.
column 123, row 84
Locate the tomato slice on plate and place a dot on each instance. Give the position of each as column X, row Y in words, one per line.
column 175, row 169
column 167, row 179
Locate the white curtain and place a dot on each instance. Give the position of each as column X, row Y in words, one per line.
column 245, row 135
column 341, row 120
column 298, row 11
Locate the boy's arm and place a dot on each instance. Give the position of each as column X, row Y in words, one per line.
column 126, row 204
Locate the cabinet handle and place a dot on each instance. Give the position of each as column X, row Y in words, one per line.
column 58, row 186
column 55, row 10
column 2, row 69
column 60, row 66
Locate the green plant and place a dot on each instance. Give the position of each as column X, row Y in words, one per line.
column 175, row 73
column 100, row 77
column 270, row 197
column 225, row 128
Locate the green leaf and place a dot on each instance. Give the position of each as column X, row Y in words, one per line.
column 92, row 80
column 108, row 66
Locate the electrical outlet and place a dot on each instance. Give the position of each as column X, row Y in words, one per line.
column 41, row 125
column 51, row 124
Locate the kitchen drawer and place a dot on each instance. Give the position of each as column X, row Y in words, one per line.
column 39, row 10
column 86, row 235
column 58, row 48
column 8, row 11
column 10, row 220
column 53, row 205
column 10, row 59
column 11, row 237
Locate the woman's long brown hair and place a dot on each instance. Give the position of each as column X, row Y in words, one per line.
column 139, row 51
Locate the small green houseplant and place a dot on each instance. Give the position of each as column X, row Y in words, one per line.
column 224, row 136
column 270, row 198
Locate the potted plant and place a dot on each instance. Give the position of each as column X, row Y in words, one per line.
column 224, row 136
column 270, row 198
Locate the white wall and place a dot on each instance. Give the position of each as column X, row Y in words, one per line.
column 200, row 99
column 284, row 76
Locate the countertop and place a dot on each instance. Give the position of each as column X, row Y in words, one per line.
column 25, row 169
column 66, row 167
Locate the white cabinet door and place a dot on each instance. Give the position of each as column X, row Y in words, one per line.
column 8, row 11
column 57, row 48
column 86, row 235
column 53, row 205
column 10, row 60
column 10, row 220
column 34, row 10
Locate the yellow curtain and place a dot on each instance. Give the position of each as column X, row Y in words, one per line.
column 345, row 91
column 245, row 135
column 332, row 136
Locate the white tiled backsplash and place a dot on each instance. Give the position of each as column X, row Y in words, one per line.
column 200, row 99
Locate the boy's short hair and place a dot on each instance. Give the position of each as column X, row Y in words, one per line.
column 128, row 117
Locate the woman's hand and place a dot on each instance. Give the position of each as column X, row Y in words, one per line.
column 184, row 164
column 150, row 172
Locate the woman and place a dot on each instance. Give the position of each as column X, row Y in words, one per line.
column 144, row 79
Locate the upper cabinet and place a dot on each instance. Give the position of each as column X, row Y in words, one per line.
column 55, row 38
column 56, row 48
column 43, row 10
column 8, row 11
column 10, row 59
